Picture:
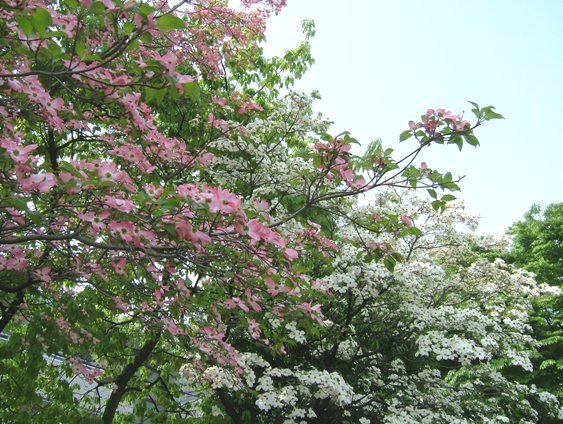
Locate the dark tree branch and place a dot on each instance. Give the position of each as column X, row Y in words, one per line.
column 123, row 379
column 9, row 312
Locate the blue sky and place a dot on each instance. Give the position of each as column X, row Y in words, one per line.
column 381, row 63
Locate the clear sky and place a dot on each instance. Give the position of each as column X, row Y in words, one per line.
column 381, row 63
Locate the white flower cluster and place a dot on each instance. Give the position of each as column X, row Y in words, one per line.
column 348, row 348
column 247, row 361
column 260, row 155
column 445, row 347
column 329, row 385
column 295, row 333
column 312, row 384
column 369, row 278
column 287, row 390
column 220, row 378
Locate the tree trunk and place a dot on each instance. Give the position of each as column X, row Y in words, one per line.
column 11, row 310
column 123, row 379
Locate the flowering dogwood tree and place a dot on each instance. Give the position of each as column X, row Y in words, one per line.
column 424, row 343
column 170, row 223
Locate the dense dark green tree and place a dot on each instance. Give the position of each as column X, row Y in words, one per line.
column 538, row 243
column 538, row 247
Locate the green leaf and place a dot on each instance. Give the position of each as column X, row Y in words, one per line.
column 450, row 186
column 41, row 20
column 14, row 202
column 192, row 91
column 169, row 22
column 476, row 111
column 141, row 198
column 397, row 256
column 437, row 205
column 495, row 115
column 317, row 161
column 25, row 23
column 145, row 10
column 146, row 38
column 405, row 135
column 36, row 218
column 411, row 172
column 154, row 95
column 54, row 49
column 471, row 139
column 167, row 205
column 457, row 140
column 326, row 137
column 80, row 47
column 389, row 262
column 432, row 193
column 128, row 27
column 489, row 113
column 350, row 140
column 97, row 8
column 413, row 231
column 133, row 46
column 547, row 364
column 448, row 197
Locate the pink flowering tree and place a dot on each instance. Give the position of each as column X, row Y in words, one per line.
column 163, row 208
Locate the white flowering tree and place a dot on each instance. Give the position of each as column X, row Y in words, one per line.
column 425, row 342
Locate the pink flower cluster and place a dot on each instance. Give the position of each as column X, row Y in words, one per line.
column 336, row 160
column 17, row 152
column 436, row 118
column 12, row 257
column 311, row 235
column 90, row 373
